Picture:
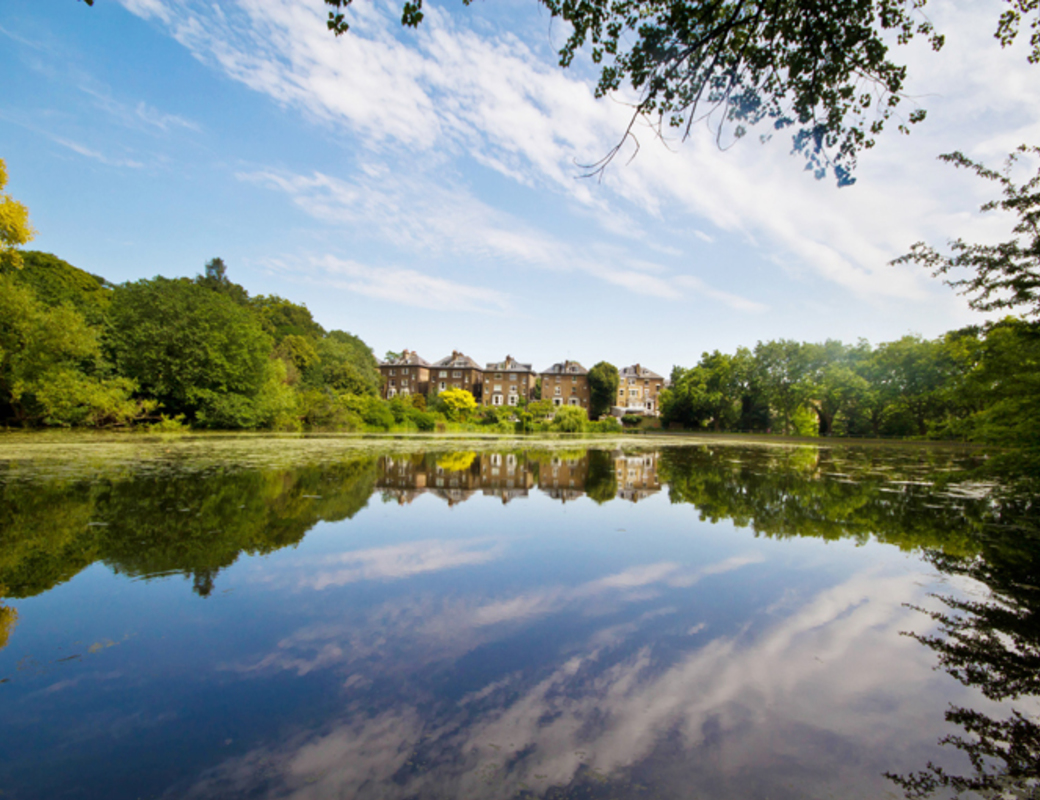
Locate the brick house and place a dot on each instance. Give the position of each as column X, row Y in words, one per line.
column 566, row 384
column 457, row 371
column 405, row 375
column 507, row 382
column 638, row 391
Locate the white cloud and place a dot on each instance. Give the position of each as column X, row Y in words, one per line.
column 397, row 561
column 400, row 285
column 87, row 152
column 447, row 92
column 415, row 213
column 734, row 706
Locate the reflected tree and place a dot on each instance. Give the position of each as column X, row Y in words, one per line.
column 992, row 644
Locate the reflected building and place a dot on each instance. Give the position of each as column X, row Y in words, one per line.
column 563, row 478
column 402, row 478
column 455, row 477
column 637, row 476
column 505, row 475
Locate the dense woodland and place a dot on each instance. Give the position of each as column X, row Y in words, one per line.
column 76, row 350
column 978, row 383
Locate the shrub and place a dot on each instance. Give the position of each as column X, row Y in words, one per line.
column 570, row 419
column 631, row 420
column 424, row 420
column 605, row 425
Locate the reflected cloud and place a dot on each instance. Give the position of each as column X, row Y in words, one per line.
column 804, row 696
column 399, row 561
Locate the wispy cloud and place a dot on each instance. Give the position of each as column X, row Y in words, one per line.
column 398, row 561
column 401, row 285
column 411, row 211
column 87, row 152
column 727, row 703
column 448, row 92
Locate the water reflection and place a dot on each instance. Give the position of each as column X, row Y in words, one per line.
column 991, row 641
column 717, row 622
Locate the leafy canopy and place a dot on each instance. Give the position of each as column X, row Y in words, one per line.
column 15, row 229
column 603, row 388
column 821, row 68
column 186, row 345
column 1004, row 275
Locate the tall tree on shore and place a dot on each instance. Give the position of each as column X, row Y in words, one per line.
column 15, row 229
column 603, row 388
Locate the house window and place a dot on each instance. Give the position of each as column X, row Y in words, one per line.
column 574, row 401
column 557, row 401
column 496, row 459
column 558, row 378
column 404, row 392
column 574, row 378
column 444, row 373
column 498, row 387
column 443, row 386
column 513, row 377
column 391, row 392
column 496, row 399
column 513, row 399
column 498, row 376
column 404, row 381
column 557, row 391
column 512, row 390
column 456, row 374
column 393, row 382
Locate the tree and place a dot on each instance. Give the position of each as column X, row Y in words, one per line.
column 781, row 366
column 1004, row 275
column 216, row 279
column 348, row 364
column 54, row 281
column 821, row 68
column 51, row 370
column 15, row 229
column 281, row 317
column 836, row 387
column 459, row 403
column 570, row 419
column 909, row 373
column 189, row 348
column 603, row 388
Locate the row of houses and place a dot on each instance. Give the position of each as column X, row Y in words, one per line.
column 509, row 476
column 508, row 382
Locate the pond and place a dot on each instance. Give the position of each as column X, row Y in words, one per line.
column 346, row 618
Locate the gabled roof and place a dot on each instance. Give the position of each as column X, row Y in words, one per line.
column 509, row 364
column 408, row 358
column 566, row 368
column 639, row 371
column 457, row 360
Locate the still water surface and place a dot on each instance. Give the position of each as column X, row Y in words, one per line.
column 317, row 619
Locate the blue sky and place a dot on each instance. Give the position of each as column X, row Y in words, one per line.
column 422, row 189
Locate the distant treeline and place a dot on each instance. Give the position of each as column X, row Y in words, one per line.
column 977, row 383
column 76, row 350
